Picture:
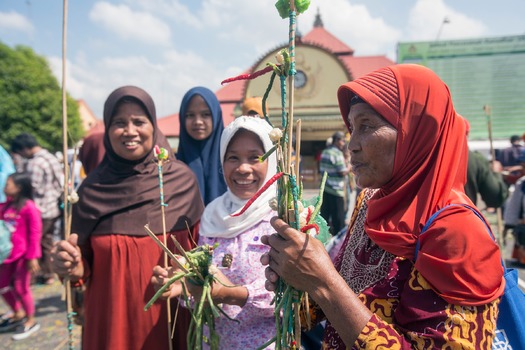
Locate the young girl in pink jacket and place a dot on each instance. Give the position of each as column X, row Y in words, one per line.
column 22, row 217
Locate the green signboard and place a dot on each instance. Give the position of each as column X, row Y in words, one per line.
column 479, row 72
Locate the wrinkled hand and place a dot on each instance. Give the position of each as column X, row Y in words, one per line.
column 66, row 258
column 32, row 266
column 301, row 260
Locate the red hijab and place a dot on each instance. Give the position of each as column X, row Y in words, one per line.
column 457, row 255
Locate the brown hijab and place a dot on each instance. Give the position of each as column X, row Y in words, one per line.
column 121, row 196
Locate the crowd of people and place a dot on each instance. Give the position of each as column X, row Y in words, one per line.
column 405, row 148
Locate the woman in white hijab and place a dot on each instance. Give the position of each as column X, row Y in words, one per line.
column 238, row 253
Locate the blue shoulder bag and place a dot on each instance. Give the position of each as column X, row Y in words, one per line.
column 510, row 327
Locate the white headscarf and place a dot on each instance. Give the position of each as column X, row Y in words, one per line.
column 216, row 220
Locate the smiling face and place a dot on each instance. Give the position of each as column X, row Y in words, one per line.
column 199, row 121
column 243, row 172
column 372, row 146
column 131, row 131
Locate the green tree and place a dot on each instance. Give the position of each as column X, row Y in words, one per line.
column 31, row 100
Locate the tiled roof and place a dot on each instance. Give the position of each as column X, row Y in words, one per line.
column 169, row 125
column 359, row 66
column 321, row 37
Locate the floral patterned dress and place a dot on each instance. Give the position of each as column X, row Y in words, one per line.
column 241, row 257
column 408, row 314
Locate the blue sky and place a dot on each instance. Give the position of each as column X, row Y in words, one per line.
column 169, row 46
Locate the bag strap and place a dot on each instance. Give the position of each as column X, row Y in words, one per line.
column 433, row 217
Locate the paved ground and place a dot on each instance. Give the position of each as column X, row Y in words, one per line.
column 51, row 312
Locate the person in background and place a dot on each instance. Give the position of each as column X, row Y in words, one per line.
column 485, row 178
column 91, row 152
column 252, row 106
column 110, row 251
column 514, row 215
column 242, row 142
column 201, row 126
column 47, row 179
column 7, row 167
column 22, row 217
column 508, row 158
column 334, row 163
column 392, row 286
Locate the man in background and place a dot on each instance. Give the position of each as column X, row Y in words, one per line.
column 333, row 162
column 485, row 178
column 47, row 181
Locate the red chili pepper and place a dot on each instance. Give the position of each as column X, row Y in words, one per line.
column 305, row 228
column 309, row 215
column 248, row 76
column 259, row 192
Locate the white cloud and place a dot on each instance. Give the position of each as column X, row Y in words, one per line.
column 354, row 25
column 15, row 21
column 131, row 25
column 165, row 80
column 427, row 18
column 171, row 9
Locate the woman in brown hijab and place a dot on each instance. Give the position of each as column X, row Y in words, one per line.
column 111, row 252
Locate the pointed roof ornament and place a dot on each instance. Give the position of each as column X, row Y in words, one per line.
column 318, row 21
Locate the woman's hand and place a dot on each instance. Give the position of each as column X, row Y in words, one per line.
column 301, row 260
column 32, row 266
column 223, row 291
column 161, row 276
column 66, row 258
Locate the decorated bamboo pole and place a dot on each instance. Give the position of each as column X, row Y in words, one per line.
column 499, row 220
column 66, row 209
column 299, row 213
column 161, row 156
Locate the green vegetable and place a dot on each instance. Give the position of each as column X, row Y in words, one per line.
column 283, row 7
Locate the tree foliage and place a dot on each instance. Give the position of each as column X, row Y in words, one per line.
column 31, row 100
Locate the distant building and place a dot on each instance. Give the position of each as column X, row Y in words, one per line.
column 90, row 122
column 479, row 72
column 323, row 63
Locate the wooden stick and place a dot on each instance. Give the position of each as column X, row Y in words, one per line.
column 164, row 248
column 297, row 321
column 164, row 235
column 297, row 149
column 488, row 113
column 65, row 218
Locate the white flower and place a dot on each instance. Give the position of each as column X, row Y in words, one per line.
column 275, row 135
column 312, row 232
column 303, row 213
column 279, row 57
column 273, row 204
column 212, row 270
column 73, row 197
column 182, row 261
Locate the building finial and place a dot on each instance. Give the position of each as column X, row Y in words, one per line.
column 318, row 21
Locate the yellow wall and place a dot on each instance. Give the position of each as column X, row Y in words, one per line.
column 315, row 103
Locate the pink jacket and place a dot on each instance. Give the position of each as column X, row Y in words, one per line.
column 27, row 232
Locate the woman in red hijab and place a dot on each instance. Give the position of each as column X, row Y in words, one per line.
column 409, row 154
